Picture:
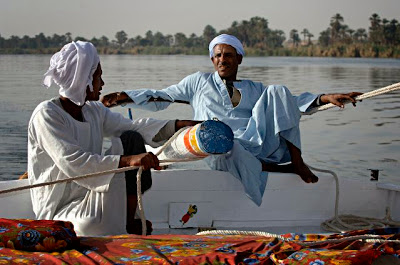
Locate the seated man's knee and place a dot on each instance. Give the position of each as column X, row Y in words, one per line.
column 131, row 185
column 132, row 143
column 278, row 90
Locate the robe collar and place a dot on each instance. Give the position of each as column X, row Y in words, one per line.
column 223, row 90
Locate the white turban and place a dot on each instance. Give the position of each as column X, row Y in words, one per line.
column 226, row 39
column 72, row 69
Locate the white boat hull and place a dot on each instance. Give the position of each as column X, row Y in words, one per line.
column 222, row 203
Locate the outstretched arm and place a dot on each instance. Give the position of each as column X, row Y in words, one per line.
column 115, row 99
column 118, row 98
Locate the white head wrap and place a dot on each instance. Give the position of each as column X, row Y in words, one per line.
column 72, row 69
column 226, row 39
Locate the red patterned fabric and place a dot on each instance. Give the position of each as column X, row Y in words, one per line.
column 216, row 249
column 37, row 235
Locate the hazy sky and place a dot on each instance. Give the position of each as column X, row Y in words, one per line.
column 95, row 18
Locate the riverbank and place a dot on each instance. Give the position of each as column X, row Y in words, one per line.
column 346, row 51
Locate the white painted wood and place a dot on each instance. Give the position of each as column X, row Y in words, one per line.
column 179, row 214
column 17, row 204
column 288, row 201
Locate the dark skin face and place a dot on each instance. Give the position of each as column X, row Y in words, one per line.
column 226, row 61
column 97, row 83
column 76, row 111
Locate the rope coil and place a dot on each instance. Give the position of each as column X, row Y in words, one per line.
column 367, row 238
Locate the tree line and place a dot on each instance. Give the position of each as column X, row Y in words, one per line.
column 382, row 39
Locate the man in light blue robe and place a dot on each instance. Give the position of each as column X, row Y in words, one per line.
column 264, row 119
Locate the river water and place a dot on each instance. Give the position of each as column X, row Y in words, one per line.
column 349, row 141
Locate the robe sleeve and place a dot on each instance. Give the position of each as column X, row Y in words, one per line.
column 184, row 91
column 305, row 100
column 115, row 124
column 54, row 136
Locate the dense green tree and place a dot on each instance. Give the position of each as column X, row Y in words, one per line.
column 58, row 40
column 390, row 30
column 180, row 39
column 68, row 37
column 258, row 32
column 209, row 33
column 294, row 36
column 276, row 39
column 305, row 33
column 2, row 40
column 337, row 40
column 360, row 35
column 252, row 33
column 142, row 41
column 194, row 41
column 159, row 40
column 375, row 30
column 325, row 37
column 149, row 38
column 41, row 41
column 103, row 41
column 95, row 41
column 336, row 25
column 121, row 38
column 80, row 38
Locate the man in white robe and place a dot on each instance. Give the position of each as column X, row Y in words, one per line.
column 264, row 119
column 65, row 140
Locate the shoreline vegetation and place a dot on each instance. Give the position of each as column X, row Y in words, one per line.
column 382, row 40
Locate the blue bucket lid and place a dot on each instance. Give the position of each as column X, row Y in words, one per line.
column 214, row 137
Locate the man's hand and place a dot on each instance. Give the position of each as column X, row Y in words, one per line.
column 339, row 99
column 179, row 124
column 146, row 160
column 115, row 99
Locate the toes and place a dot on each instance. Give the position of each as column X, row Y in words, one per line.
column 306, row 179
column 314, row 179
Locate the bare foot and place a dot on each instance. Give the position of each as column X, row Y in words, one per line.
column 301, row 169
column 135, row 227
column 304, row 172
column 288, row 168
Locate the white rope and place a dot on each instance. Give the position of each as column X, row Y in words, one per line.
column 91, row 175
column 114, row 171
column 100, row 173
column 367, row 238
column 139, row 175
column 139, row 200
column 370, row 94
column 339, row 223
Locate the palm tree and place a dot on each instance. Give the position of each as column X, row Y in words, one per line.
column 309, row 36
column 209, row 33
column 375, row 30
column 390, row 32
column 121, row 37
column 325, row 37
column 336, row 25
column 294, row 36
column 305, row 32
column 360, row 35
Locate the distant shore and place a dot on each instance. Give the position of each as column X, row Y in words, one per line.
column 381, row 40
column 351, row 51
